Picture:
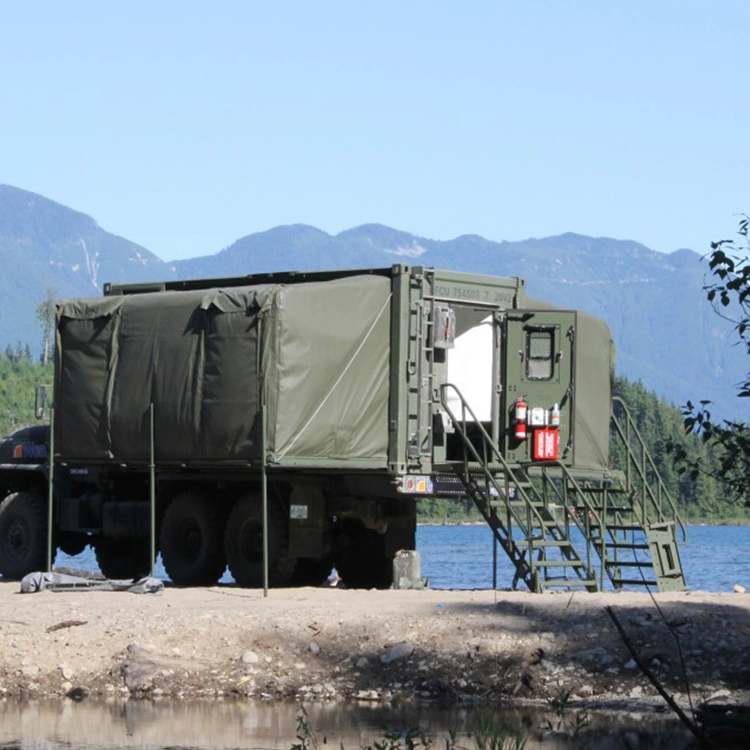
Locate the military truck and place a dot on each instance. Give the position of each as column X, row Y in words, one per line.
column 298, row 418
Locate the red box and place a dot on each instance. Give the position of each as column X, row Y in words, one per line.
column 546, row 445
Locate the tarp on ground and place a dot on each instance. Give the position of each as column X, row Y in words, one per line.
column 54, row 581
column 319, row 352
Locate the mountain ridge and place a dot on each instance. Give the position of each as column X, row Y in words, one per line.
column 665, row 331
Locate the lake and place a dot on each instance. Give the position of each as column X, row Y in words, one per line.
column 460, row 557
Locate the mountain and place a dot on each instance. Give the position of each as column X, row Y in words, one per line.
column 666, row 333
column 44, row 244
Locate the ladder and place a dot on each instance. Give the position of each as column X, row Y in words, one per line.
column 572, row 530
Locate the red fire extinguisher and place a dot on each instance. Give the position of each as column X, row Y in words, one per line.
column 520, row 418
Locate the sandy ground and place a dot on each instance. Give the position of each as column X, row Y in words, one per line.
column 452, row 647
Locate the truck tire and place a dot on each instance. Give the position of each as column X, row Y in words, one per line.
column 311, row 572
column 243, row 544
column 123, row 559
column 23, row 534
column 360, row 558
column 191, row 541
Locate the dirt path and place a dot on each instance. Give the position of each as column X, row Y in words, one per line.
column 335, row 644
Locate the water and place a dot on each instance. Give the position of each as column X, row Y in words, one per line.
column 460, row 557
column 225, row 725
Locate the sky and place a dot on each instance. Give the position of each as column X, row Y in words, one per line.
column 185, row 125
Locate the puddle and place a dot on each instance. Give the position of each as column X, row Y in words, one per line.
column 92, row 725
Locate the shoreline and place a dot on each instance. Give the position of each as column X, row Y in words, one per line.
column 450, row 648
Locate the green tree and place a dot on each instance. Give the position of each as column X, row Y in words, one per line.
column 661, row 426
column 19, row 376
column 45, row 315
column 729, row 293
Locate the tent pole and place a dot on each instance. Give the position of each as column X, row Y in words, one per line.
column 263, row 451
column 152, row 487
column 264, row 496
column 50, row 487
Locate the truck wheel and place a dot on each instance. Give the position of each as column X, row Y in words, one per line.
column 191, row 541
column 311, row 572
column 243, row 544
column 23, row 534
column 360, row 558
column 123, row 559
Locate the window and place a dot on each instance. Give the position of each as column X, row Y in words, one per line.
column 540, row 353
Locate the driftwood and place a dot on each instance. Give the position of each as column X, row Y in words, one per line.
column 652, row 678
column 66, row 624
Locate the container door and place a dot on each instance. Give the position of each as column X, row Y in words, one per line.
column 539, row 390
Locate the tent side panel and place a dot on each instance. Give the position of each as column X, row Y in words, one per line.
column 85, row 350
column 594, row 375
column 328, row 364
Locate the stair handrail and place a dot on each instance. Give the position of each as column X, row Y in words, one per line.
column 630, row 431
column 487, row 441
column 579, row 492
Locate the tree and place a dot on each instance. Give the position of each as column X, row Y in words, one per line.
column 729, row 293
column 45, row 315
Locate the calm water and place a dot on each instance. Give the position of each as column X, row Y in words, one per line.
column 460, row 557
column 229, row 725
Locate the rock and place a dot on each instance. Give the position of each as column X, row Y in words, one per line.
column 313, row 647
column 250, row 657
column 399, row 651
column 739, row 589
column 77, row 694
column 362, row 663
column 719, row 695
column 368, row 695
column 66, row 672
column 142, row 665
column 30, row 670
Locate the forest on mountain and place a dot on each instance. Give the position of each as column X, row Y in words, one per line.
column 20, row 374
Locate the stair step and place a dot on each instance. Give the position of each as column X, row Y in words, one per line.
column 559, row 564
column 625, row 527
column 629, row 564
column 588, row 583
column 633, row 582
column 626, row 545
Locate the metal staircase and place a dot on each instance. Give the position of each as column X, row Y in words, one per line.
column 573, row 530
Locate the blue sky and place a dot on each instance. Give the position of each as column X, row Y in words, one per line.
column 184, row 126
